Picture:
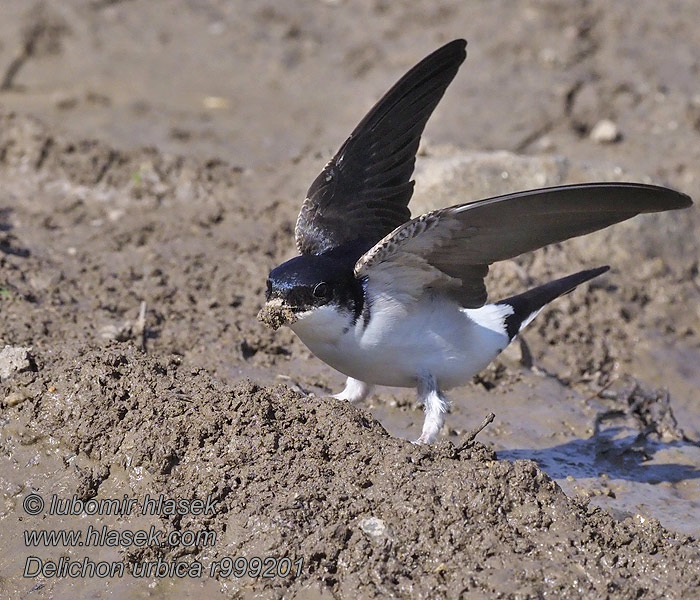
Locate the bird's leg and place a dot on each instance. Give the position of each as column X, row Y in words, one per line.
column 355, row 390
column 435, row 405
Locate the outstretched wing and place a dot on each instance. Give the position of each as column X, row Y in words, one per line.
column 364, row 190
column 450, row 249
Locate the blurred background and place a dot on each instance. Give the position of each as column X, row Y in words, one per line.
column 193, row 77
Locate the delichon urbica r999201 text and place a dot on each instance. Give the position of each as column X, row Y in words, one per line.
column 390, row 300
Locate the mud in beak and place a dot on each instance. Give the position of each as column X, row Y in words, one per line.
column 275, row 314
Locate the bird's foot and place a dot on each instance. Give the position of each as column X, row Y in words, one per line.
column 425, row 439
column 354, row 391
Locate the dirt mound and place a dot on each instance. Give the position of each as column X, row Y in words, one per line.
column 372, row 516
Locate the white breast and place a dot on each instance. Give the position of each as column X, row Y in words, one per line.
column 401, row 343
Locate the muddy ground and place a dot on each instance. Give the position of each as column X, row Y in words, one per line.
column 131, row 361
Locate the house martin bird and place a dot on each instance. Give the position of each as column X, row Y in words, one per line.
column 390, row 300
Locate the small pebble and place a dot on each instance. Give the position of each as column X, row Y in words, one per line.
column 215, row 102
column 373, row 527
column 14, row 359
column 605, row 132
column 14, row 398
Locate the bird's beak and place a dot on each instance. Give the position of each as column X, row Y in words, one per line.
column 276, row 313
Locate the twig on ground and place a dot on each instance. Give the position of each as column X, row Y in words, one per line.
column 601, row 390
column 471, row 436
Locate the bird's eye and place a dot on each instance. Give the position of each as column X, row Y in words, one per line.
column 321, row 290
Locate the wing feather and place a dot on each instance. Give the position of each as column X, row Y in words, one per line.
column 372, row 170
column 456, row 245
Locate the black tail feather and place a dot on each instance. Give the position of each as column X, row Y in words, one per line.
column 526, row 304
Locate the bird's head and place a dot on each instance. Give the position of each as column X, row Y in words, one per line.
column 305, row 283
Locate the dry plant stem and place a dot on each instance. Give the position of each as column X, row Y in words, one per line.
column 601, row 390
column 471, row 436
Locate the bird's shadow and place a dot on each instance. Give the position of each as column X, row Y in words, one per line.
column 620, row 454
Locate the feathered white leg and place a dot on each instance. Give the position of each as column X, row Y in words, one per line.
column 355, row 390
column 435, row 405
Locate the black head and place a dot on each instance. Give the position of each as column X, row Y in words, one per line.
column 307, row 282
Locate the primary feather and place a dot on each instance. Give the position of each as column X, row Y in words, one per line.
column 365, row 188
column 450, row 249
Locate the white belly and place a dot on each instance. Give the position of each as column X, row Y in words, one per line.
column 401, row 344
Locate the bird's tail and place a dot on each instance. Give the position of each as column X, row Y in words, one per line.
column 527, row 305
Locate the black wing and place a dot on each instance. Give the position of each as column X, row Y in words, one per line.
column 364, row 190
